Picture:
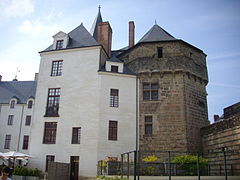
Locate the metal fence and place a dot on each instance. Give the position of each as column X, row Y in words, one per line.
column 173, row 163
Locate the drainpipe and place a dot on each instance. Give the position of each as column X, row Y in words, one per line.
column 137, row 129
column 20, row 130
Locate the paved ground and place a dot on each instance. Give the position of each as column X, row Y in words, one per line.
column 187, row 178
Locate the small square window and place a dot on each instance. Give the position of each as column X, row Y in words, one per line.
column 114, row 68
column 59, row 44
column 160, row 52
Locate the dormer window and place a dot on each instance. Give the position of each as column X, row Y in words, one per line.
column 30, row 103
column 114, row 68
column 59, row 44
column 12, row 104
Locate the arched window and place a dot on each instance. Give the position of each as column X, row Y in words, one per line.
column 12, row 104
column 30, row 103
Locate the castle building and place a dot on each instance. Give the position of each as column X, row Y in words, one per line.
column 172, row 78
column 92, row 102
column 16, row 110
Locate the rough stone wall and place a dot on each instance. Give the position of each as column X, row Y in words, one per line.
column 169, row 124
column 181, row 109
column 224, row 133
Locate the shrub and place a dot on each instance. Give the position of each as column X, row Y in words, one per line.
column 23, row 171
column 149, row 169
column 189, row 163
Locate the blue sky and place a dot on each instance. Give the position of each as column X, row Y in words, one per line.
column 27, row 27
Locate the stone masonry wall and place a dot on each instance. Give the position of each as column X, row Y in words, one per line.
column 181, row 109
column 224, row 133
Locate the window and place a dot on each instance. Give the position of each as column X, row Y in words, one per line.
column 57, row 68
column 10, row 120
column 28, row 120
column 150, row 91
column 7, row 141
column 148, row 125
column 76, row 134
column 112, row 132
column 49, row 158
column 25, row 142
column 30, row 103
column 53, row 102
column 59, row 44
column 12, row 104
column 50, row 131
column 114, row 68
column 114, row 98
column 160, row 52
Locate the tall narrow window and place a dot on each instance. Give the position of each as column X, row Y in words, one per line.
column 114, row 98
column 59, row 44
column 76, row 135
column 10, row 120
column 28, row 120
column 53, row 102
column 57, row 68
column 12, row 104
column 160, row 52
column 148, row 125
column 150, row 91
column 7, row 141
column 49, row 158
column 112, row 131
column 50, row 132
column 25, row 142
column 30, row 103
column 114, row 68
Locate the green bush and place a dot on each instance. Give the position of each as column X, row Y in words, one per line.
column 23, row 171
column 189, row 163
column 112, row 178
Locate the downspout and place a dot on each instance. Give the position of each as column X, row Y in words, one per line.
column 20, row 130
column 137, row 124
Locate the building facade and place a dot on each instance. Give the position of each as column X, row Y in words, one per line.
column 16, row 110
column 85, row 101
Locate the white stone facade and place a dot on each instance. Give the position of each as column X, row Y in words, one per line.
column 17, row 129
column 84, row 102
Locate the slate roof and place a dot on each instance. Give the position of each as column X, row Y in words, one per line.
column 22, row 90
column 79, row 37
column 115, row 59
column 94, row 29
column 156, row 33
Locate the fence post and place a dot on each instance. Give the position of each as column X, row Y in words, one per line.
column 128, row 165
column 135, row 165
column 198, row 170
column 225, row 162
column 169, row 165
column 101, row 166
column 121, row 165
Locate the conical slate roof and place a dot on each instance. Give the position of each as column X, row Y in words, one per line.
column 94, row 29
column 79, row 37
column 156, row 33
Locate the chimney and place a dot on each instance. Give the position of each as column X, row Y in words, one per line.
column 0, row 78
column 36, row 77
column 215, row 117
column 105, row 36
column 131, row 33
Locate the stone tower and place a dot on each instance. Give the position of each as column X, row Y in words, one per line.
column 172, row 91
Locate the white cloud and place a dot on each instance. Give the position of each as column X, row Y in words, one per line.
column 16, row 8
column 36, row 28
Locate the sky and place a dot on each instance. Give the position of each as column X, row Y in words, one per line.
column 27, row 27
